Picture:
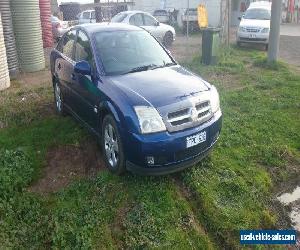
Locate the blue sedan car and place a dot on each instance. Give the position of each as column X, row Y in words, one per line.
column 150, row 115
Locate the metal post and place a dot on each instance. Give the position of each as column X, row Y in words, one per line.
column 275, row 30
column 228, row 21
column 188, row 18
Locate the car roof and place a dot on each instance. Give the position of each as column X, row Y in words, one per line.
column 92, row 28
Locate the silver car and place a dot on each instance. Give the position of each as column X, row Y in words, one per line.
column 58, row 27
column 162, row 32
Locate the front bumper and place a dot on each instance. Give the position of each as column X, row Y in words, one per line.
column 169, row 149
column 248, row 37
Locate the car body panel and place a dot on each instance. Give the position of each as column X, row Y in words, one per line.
column 162, row 86
column 170, row 149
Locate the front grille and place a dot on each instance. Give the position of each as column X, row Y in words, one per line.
column 203, row 114
column 195, row 114
column 252, row 30
column 180, row 122
column 178, row 113
column 202, row 105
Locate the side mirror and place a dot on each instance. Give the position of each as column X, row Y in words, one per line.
column 82, row 67
column 157, row 24
column 239, row 18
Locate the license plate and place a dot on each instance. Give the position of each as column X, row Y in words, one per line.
column 194, row 140
column 252, row 36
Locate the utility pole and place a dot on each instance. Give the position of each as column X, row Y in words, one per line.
column 228, row 21
column 275, row 30
column 188, row 19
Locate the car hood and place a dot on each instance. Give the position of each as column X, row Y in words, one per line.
column 160, row 87
column 255, row 23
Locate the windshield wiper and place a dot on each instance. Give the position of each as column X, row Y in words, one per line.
column 141, row 68
column 164, row 65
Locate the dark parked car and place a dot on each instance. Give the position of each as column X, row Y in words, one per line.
column 151, row 115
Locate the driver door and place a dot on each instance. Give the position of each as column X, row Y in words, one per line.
column 85, row 88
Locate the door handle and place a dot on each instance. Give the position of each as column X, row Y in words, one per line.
column 73, row 76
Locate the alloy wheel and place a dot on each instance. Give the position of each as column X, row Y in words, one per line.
column 111, row 145
column 58, row 100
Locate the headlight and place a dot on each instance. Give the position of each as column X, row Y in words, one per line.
column 149, row 119
column 214, row 99
column 265, row 30
column 242, row 29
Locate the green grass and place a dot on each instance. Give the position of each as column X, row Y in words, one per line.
column 201, row 208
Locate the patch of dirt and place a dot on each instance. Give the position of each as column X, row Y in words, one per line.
column 227, row 81
column 35, row 78
column 68, row 163
column 185, row 49
column 281, row 210
column 186, row 194
column 117, row 227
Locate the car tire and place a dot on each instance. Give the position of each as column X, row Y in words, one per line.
column 58, row 99
column 168, row 39
column 112, row 146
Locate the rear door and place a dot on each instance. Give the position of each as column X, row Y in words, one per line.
column 85, row 88
column 64, row 65
column 150, row 24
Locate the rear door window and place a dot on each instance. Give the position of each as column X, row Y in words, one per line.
column 137, row 20
column 149, row 21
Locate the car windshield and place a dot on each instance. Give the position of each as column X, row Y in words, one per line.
column 259, row 14
column 124, row 52
column 119, row 18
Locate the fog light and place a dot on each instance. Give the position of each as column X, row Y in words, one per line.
column 150, row 160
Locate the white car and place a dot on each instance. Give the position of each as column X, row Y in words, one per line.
column 162, row 32
column 255, row 24
column 87, row 16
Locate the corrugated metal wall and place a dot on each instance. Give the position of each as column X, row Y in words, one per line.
column 9, row 38
column 45, row 12
column 4, row 74
column 28, row 33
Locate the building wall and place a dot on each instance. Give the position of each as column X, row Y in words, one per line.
column 213, row 8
